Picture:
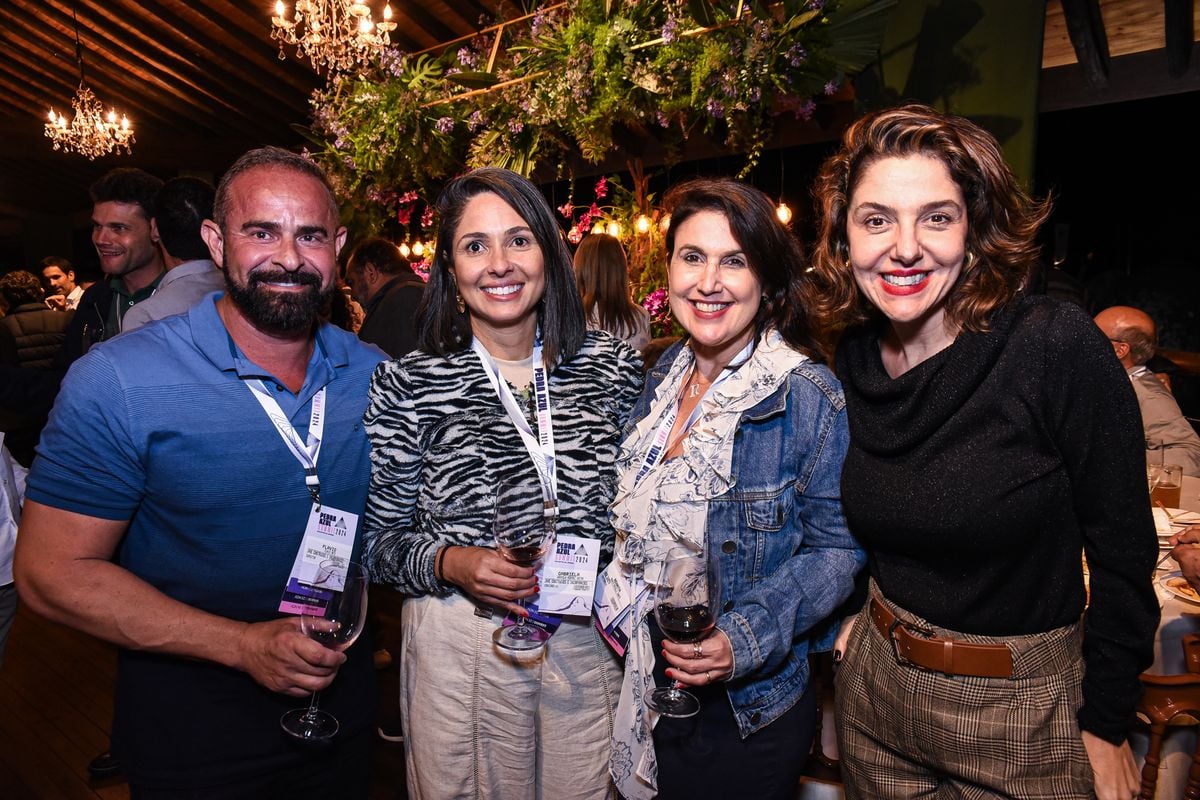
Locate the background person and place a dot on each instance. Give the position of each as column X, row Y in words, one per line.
column 749, row 474
column 389, row 292
column 62, row 291
column 477, row 721
column 994, row 438
column 1134, row 338
column 603, row 277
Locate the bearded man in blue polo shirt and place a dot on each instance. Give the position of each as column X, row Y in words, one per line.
column 162, row 453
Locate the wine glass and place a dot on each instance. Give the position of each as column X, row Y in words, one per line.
column 523, row 533
column 336, row 626
column 686, row 597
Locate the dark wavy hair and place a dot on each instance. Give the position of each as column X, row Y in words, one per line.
column 379, row 253
column 127, row 185
column 1002, row 220
column 20, row 287
column 442, row 328
column 602, row 274
column 772, row 251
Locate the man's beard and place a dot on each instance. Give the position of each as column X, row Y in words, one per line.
column 279, row 312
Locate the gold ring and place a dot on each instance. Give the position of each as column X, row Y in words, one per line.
column 697, row 650
column 709, row 674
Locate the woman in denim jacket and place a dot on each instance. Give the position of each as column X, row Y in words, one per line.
column 736, row 451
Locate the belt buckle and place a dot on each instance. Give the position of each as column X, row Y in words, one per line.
column 901, row 659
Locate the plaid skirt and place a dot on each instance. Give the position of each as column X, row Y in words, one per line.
column 907, row 732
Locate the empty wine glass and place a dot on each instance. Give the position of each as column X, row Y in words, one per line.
column 523, row 533
column 336, row 627
column 686, row 597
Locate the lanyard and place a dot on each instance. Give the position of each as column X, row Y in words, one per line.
column 658, row 446
column 540, row 447
column 305, row 452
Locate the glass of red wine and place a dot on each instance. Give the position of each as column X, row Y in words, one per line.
column 336, row 626
column 523, row 532
column 686, row 598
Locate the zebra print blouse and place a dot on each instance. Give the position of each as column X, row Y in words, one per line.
column 440, row 438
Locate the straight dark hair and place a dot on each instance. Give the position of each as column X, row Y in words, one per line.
column 772, row 252
column 602, row 274
column 180, row 209
column 442, row 328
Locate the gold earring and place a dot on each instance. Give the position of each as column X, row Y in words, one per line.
column 970, row 259
column 458, row 302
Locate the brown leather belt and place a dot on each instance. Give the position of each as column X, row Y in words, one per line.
column 918, row 648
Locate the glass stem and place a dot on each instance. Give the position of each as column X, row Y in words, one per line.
column 521, row 617
column 311, row 715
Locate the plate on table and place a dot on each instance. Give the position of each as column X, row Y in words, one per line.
column 1168, row 521
column 1175, row 583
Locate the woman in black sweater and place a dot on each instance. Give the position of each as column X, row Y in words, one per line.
column 994, row 438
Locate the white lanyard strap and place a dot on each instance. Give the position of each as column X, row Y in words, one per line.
column 658, row 446
column 540, row 447
column 305, row 452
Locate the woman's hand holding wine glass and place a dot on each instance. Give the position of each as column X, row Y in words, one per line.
column 488, row 577
column 687, row 599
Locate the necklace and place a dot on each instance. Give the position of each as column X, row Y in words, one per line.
column 694, row 390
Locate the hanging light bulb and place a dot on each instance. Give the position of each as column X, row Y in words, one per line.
column 784, row 213
column 664, row 223
column 614, row 229
column 643, row 224
column 405, row 250
column 598, row 227
column 418, row 249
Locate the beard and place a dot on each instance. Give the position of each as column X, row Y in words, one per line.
column 279, row 312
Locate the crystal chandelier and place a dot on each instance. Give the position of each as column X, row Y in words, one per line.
column 91, row 132
column 335, row 35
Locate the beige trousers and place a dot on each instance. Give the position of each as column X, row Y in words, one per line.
column 480, row 723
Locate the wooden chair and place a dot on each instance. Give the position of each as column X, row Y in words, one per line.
column 1172, row 700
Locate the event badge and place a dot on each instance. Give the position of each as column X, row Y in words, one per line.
column 329, row 536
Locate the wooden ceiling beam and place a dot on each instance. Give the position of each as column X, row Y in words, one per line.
column 1085, row 26
column 130, row 50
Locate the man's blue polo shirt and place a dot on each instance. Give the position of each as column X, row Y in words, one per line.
column 158, row 427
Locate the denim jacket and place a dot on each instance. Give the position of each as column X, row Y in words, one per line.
column 779, row 538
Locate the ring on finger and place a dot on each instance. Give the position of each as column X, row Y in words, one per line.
column 708, row 673
column 697, row 650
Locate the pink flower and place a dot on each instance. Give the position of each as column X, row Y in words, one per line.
column 404, row 215
column 601, row 189
column 427, row 217
column 565, row 209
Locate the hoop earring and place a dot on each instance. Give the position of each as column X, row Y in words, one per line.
column 970, row 260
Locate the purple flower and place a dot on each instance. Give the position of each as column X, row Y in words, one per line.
column 806, row 109
column 662, row 118
column 670, row 30
column 796, row 55
column 467, row 57
column 816, row 5
column 831, row 87
column 539, row 21
column 516, row 126
column 475, row 121
column 444, row 124
column 714, row 108
column 656, row 304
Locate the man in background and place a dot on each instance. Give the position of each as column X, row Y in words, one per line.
column 180, row 208
column 62, row 291
column 1135, row 338
column 389, row 292
column 126, row 240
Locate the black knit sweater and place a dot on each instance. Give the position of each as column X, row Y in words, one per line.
column 975, row 479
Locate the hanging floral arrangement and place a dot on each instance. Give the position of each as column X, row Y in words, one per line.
column 575, row 79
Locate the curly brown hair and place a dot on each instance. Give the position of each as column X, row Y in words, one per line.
column 1002, row 219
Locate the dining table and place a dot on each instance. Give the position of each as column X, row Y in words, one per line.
column 1179, row 618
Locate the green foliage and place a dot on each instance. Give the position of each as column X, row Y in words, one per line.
column 576, row 79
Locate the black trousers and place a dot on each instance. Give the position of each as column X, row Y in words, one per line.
column 341, row 769
column 705, row 756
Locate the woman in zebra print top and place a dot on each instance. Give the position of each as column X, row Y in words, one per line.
column 480, row 722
